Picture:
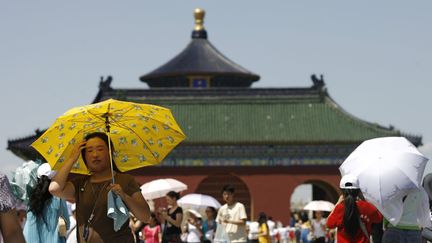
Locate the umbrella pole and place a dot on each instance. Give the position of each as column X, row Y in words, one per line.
column 109, row 146
column 111, row 159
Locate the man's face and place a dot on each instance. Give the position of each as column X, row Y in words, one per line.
column 228, row 197
column 97, row 155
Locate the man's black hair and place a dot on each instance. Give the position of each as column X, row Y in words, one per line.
column 228, row 188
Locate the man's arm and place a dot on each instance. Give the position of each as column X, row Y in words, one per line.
column 237, row 222
column 59, row 185
column 176, row 222
column 138, row 205
column 243, row 217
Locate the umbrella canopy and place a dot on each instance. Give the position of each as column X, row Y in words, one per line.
column 142, row 134
column 319, row 205
column 160, row 187
column 387, row 169
column 195, row 200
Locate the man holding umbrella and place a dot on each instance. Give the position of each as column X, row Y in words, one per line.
column 111, row 136
column 91, row 192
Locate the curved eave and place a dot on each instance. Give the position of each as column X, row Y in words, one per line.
column 21, row 146
column 390, row 131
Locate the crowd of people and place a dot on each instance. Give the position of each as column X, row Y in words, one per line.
column 48, row 218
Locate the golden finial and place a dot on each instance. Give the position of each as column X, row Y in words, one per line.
column 199, row 19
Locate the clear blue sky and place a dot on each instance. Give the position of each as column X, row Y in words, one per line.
column 375, row 55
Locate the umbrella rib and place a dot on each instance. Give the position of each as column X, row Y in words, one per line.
column 96, row 116
column 77, row 120
column 151, row 118
column 379, row 191
column 123, row 114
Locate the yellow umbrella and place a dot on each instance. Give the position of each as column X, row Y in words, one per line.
column 142, row 134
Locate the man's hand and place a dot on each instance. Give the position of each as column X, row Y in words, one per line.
column 117, row 189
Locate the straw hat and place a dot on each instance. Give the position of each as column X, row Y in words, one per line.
column 194, row 212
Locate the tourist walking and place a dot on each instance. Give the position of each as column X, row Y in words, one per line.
column 47, row 215
column 352, row 216
column 264, row 230
column 318, row 228
column 152, row 232
column 232, row 216
column 172, row 217
column 193, row 228
column 209, row 225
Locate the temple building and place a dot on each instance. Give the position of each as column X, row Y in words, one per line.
column 264, row 141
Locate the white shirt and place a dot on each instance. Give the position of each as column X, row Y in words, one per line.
column 416, row 209
column 317, row 227
column 283, row 232
column 236, row 212
column 271, row 226
column 193, row 234
column 253, row 230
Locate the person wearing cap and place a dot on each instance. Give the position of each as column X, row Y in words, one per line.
column 44, row 211
column 352, row 216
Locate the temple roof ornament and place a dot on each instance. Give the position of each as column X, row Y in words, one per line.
column 200, row 65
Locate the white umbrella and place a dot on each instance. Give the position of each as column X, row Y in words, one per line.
column 160, row 187
column 319, row 205
column 198, row 201
column 387, row 169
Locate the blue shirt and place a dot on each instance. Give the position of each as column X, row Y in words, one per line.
column 45, row 229
column 206, row 227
